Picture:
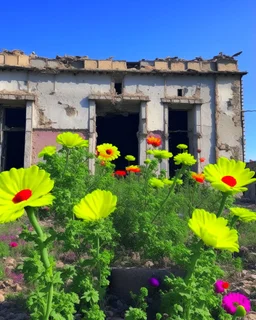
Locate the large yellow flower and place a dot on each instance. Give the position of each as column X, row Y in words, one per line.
column 107, row 151
column 96, row 205
column 184, row 158
column 243, row 214
column 213, row 231
column 20, row 188
column 229, row 175
column 71, row 140
column 48, row 150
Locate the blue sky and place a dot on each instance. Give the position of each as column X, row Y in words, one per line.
column 133, row 30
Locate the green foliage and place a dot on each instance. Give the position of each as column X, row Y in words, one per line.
column 247, row 234
column 4, row 250
column 140, row 299
column 195, row 299
column 135, row 314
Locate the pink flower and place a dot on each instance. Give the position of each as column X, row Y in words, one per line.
column 154, row 282
column 13, row 244
column 220, row 286
column 231, row 301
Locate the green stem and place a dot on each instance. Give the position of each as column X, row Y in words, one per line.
column 66, row 164
column 98, row 255
column 233, row 221
column 177, row 176
column 194, row 260
column 44, row 257
column 222, row 204
column 234, row 317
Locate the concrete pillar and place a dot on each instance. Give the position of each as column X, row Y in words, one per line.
column 142, row 134
column 165, row 142
column 197, row 130
column 28, row 134
column 92, row 133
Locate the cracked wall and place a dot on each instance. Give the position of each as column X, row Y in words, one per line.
column 229, row 134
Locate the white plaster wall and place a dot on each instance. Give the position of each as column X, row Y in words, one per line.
column 228, row 132
column 152, row 86
column 56, row 92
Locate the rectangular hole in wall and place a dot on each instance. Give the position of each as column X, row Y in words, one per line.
column 180, row 92
column 13, row 144
column 121, row 131
column 118, row 87
column 178, row 133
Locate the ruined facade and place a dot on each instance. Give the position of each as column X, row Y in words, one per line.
column 198, row 102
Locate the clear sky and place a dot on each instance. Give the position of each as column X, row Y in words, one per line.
column 133, row 30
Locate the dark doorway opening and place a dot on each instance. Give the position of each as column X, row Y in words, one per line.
column 120, row 131
column 178, row 133
column 14, row 123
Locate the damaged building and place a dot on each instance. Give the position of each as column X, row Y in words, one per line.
column 197, row 102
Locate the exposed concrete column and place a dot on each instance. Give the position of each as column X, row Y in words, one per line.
column 28, row 134
column 165, row 143
column 197, row 130
column 142, row 133
column 92, row 132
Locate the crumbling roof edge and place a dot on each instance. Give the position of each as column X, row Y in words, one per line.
column 133, row 71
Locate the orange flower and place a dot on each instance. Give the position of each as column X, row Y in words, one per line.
column 154, row 141
column 199, row 177
column 133, row 169
column 202, row 160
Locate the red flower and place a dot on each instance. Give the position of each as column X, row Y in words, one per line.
column 13, row 244
column 199, row 177
column 199, row 150
column 202, row 160
column 154, row 141
column 120, row 173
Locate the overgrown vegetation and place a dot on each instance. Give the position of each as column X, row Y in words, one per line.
column 151, row 217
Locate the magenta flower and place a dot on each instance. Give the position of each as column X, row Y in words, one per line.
column 13, row 244
column 231, row 301
column 220, row 286
column 154, row 282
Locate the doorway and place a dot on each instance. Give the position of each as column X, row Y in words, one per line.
column 178, row 133
column 13, row 141
column 121, row 131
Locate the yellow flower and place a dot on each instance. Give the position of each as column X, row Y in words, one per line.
column 162, row 154
column 182, row 146
column 157, row 183
column 167, row 181
column 243, row 214
column 107, row 151
column 48, row 150
column 96, row 205
column 184, row 158
column 130, row 158
column 229, row 175
column 149, row 151
column 20, row 188
column 213, row 231
column 147, row 161
column 71, row 140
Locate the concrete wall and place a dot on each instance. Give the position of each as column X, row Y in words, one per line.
column 61, row 103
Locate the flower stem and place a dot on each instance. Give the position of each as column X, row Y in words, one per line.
column 177, row 176
column 66, row 163
column 222, row 204
column 44, row 257
column 233, row 221
column 194, row 260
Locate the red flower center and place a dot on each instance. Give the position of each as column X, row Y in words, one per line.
column 229, row 180
column 22, row 196
column 225, row 285
column 109, row 151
